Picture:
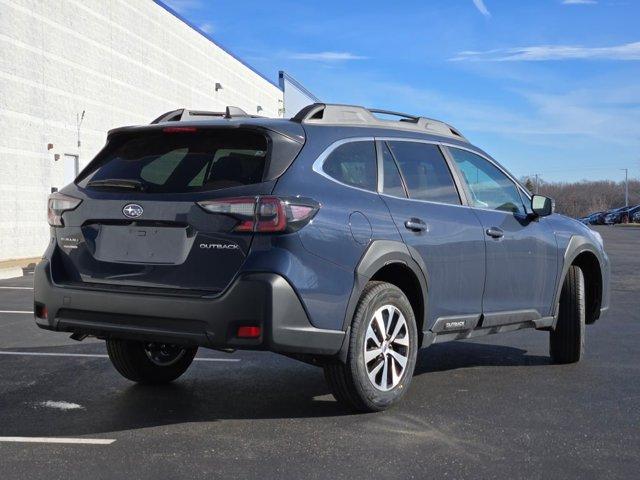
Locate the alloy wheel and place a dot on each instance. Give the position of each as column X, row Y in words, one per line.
column 386, row 347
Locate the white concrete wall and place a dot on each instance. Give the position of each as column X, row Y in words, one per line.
column 122, row 61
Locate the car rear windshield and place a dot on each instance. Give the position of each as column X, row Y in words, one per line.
column 179, row 160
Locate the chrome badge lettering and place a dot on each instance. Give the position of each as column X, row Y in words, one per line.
column 454, row 325
column 219, row 246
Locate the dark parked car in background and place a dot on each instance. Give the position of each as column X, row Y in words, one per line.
column 336, row 238
column 634, row 214
column 593, row 219
column 620, row 215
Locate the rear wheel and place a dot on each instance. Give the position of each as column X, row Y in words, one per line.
column 147, row 362
column 566, row 342
column 382, row 351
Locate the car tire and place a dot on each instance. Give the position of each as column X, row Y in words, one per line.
column 566, row 341
column 361, row 385
column 149, row 363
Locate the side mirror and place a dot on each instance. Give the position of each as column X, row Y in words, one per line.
column 542, row 206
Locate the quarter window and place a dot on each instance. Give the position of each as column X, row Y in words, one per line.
column 354, row 164
column 425, row 172
column 489, row 186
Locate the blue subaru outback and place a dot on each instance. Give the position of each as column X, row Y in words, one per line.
column 342, row 238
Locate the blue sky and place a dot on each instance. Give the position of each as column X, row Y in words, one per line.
column 545, row 86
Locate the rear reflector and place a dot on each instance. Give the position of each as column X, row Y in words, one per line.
column 266, row 214
column 249, row 332
column 41, row 311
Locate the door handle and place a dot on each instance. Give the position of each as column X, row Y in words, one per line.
column 415, row 225
column 495, row 232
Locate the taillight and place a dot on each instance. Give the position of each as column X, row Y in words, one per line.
column 57, row 205
column 264, row 214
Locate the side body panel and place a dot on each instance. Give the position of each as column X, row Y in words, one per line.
column 521, row 266
column 348, row 221
column 452, row 250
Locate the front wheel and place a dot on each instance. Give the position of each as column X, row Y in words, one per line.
column 382, row 351
column 566, row 341
column 147, row 362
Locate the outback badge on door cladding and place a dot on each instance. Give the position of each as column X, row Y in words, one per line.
column 132, row 210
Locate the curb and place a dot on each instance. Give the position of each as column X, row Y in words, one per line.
column 11, row 272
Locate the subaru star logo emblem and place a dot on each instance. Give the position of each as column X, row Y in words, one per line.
column 132, row 210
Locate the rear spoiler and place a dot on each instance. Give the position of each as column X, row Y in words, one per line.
column 184, row 115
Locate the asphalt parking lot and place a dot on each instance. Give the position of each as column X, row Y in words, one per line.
column 488, row 408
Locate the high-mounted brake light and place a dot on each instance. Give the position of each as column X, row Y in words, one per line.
column 57, row 205
column 179, row 129
column 266, row 214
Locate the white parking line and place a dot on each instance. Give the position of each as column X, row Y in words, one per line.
column 47, row 354
column 97, row 355
column 16, row 288
column 20, row 312
column 204, row 359
column 86, row 441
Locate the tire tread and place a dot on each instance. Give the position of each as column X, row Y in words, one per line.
column 566, row 342
column 131, row 362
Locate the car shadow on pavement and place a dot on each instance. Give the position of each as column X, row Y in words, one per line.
column 462, row 354
column 260, row 386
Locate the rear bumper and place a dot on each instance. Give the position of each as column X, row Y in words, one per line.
column 254, row 299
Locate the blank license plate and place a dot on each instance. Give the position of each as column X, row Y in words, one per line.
column 127, row 244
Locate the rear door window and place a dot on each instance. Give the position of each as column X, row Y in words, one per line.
column 425, row 172
column 163, row 162
column 354, row 164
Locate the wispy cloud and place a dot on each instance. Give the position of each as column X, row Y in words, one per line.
column 601, row 113
column 579, row 2
column 627, row 51
column 482, row 8
column 326, row 56
column 207, row 27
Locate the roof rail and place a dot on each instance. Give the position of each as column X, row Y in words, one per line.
column 183, row 115
column 333, row 114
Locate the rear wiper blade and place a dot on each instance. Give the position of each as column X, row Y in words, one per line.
column 117, row 183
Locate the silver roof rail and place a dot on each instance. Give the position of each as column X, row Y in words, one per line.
column 333, row 114
column 184, row 115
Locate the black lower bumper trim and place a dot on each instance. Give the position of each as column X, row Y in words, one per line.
column 254, row 299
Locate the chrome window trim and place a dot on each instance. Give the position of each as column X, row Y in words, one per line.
column 453, row 145
column 318, row 164
column 459, row 205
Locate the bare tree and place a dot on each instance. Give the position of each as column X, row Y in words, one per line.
column 582, row 198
